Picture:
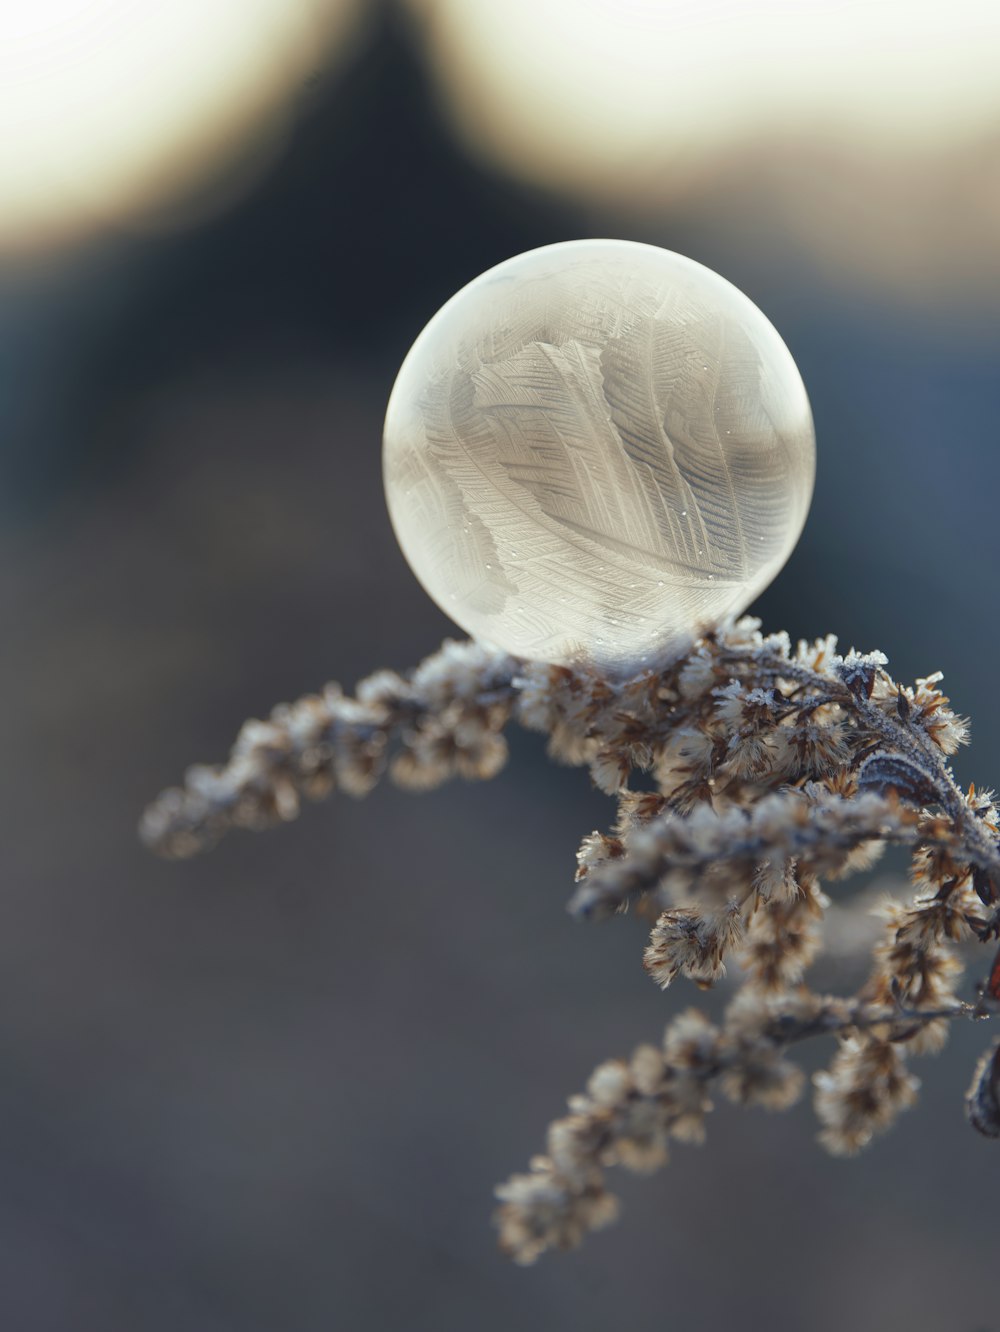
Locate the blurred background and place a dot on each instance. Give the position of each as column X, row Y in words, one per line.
column 273, row 1088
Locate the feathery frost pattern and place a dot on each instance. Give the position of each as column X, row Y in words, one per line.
column 622, row 446
column 777, row 773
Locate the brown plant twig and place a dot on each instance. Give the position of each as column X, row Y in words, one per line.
column 631, row 1109
column 774, row 769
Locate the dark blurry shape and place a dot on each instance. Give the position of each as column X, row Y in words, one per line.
column 111, row 110
column 982, row 1102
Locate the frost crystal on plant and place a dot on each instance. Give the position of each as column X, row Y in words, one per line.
column 777, row 771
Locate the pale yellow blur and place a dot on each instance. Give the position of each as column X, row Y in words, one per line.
column 865, row 133
column 118, row 109
column 580, row 92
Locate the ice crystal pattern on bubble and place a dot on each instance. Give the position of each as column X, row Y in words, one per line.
column 596, row 450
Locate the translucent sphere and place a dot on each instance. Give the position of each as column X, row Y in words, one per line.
column 596, row 450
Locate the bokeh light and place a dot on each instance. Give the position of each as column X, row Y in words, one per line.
column 620, row 80
column 868, row 130
column 115, row 108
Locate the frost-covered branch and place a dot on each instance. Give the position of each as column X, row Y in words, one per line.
column 814, row 829
column 774, row 772
column 444, row 720
column 633, row 1108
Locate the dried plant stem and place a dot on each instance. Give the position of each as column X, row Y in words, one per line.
column 631, row 1109
column 806, row 830
column 445, row 720
column 775, row 771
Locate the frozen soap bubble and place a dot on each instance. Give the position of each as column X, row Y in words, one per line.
column 595, row 450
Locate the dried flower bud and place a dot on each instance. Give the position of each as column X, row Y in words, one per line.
column 540, row 1211
column 858, row 670
column 686, row 942
column 864, row 1090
